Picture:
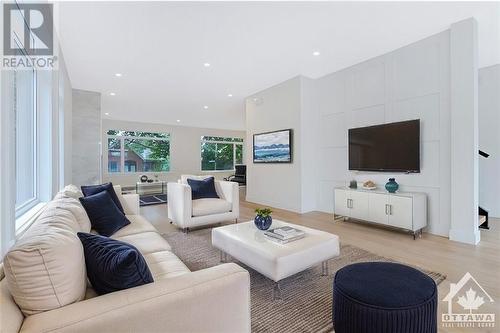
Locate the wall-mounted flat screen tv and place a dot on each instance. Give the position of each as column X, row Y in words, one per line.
column 393, row 147
column 273, row 147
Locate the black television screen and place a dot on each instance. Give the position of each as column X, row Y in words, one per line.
column 389, row 147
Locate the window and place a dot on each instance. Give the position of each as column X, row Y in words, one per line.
column 220, row 154
column 25, row 117
column 135, row 151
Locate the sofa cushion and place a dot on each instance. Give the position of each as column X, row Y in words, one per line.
column 113, row 265
column 94, row 189
column 45, row 269
column 55, row 216
column 71, row 191
column 74, row 206
column 138, row 224
column 203, row 189
column 104, row 215
column 146, row 242
column 202, row 207
column 12, row 317
column 165, row 264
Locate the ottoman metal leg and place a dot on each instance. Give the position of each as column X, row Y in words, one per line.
column 224, row 257
column 277, row 291
column 324, row 268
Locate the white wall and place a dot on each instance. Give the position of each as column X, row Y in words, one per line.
column 290, row 104
column 309, row 127
column 185, row 150
column 65, row 125
column 276, row 108
column 464, row 132
column 86, row 139
column 489, row 139
column 409, row 83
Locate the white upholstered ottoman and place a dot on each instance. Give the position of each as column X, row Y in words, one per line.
column 247, row 244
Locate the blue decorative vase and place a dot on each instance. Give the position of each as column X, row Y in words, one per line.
column 391, row 186
column 263, row 222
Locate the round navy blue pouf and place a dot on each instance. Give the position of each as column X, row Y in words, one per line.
column 381, row 297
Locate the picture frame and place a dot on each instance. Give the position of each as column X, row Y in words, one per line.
column 273, row 147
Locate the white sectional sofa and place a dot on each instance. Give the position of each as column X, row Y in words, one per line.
column 216, row 299
column 185, row 212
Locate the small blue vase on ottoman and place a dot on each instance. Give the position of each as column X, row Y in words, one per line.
column 263, row 219
column 382, row 297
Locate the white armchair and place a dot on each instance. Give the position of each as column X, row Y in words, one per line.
column 186, row 213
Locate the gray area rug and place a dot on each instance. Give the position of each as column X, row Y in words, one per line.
column 306, row 304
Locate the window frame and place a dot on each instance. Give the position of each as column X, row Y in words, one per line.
column 31, row 203
column 122, row 139
column 225, row 140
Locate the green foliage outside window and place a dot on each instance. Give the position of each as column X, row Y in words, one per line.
column 142, row 151
column 222, row 154
column 238, row 154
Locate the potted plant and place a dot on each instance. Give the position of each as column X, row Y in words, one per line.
column 263, row 219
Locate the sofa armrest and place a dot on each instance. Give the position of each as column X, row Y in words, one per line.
column 180, row 304
column 231, row 193
column 130, row 204
column 180, row 206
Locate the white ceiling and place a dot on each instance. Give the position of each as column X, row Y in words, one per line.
column 161, row 47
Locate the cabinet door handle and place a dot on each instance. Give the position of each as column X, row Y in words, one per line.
column 352, row 203
column 386, row 212
column 390, row 209
column 347, row 202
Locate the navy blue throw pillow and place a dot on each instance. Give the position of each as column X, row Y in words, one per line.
column 104, row 216
column 94, row 189
column 201, row 189
column 113, row 265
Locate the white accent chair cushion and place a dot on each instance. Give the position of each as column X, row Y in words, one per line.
column 210, row 206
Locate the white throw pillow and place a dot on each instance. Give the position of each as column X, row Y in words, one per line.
column 45, row 269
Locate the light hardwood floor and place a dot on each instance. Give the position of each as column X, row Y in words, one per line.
column 431, row 252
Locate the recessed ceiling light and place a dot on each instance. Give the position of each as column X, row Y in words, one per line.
column 106, row 113
column 112, row 94
column 316, row 53
column 118, row 74
column 178, row 120
column 206, row 64
column 255, row 99
column 229, row 95
column 205, row 107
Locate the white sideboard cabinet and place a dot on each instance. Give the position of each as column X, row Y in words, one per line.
column 405, row 210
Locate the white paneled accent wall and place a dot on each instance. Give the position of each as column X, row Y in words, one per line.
column 434, row 80
column 489, row 139
column 409, row 83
